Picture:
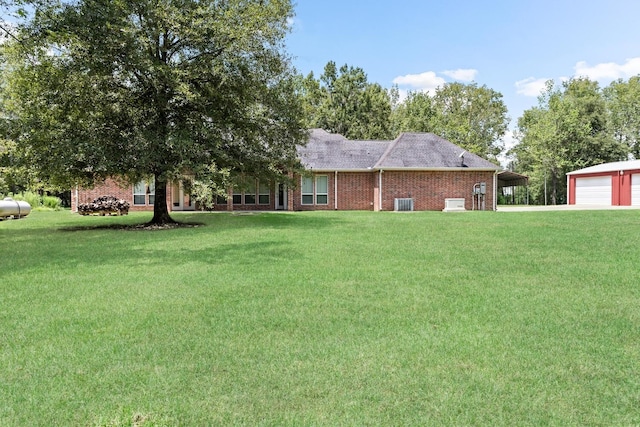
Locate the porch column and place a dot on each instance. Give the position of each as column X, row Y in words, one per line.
column 230, row 199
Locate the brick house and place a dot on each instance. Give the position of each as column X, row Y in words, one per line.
column 416, row 171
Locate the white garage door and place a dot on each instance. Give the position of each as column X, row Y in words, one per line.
column 635, row 189
column 593, row 191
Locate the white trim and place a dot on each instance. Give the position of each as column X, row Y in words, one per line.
column 285, row 194
column 608, row 167
column 495, row 192
column 380, row 190
column 335, row 190
column 416, row 169
column 441, row 169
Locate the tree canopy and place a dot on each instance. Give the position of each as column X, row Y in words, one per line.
column 471, row 116
column 568, row 130
column 345, row 102
column 623, row 98
column 141, row 88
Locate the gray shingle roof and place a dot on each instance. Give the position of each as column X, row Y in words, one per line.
column 426, row 150
column 326, row 151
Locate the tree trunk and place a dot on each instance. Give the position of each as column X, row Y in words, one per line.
column 554, row 187
column 160, row 210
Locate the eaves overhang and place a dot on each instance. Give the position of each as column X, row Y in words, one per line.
column 339, row 169
column 436, row 169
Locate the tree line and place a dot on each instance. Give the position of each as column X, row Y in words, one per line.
column 344, row 101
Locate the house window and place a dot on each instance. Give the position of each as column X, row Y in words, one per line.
column 221, row 200
column 322, row 190
column 250, row 194
column 264, row 194
column 307, row 190
column 144, row 192
column 318, row 192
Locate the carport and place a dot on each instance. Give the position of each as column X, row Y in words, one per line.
column 514, row 187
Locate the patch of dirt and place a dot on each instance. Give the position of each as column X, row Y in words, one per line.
column 136, row 227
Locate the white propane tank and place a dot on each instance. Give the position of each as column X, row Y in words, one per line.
column 10, row 208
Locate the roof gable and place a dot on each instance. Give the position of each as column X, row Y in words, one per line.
column 426, row 150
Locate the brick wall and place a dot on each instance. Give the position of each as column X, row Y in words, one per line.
column 430, row 189
column 111, row 187
column 356, row 191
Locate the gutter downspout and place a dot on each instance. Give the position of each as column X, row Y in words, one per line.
column 380, row 191
column 335, row 190
column 495, row 191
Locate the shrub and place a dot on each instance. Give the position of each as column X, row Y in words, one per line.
column 52, row 202
column 34, row 199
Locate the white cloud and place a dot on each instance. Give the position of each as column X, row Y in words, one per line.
column 608, row 71
column 531, row 86
column 509, row 142
column 424, row 82
column 604, row 72
column 464, row 75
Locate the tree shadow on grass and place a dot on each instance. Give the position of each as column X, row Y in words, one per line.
column 224, row 220
column 134, row 227
column 67, row 246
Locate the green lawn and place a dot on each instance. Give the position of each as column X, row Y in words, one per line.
column 339, row 318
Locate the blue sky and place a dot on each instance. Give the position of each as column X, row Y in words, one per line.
column 511, row 46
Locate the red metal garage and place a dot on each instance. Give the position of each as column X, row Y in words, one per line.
column 610, row 184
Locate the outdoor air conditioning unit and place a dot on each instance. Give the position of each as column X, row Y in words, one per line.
column 403, row 205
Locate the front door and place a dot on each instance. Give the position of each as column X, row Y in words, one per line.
column 179, row 200
column 281, row 197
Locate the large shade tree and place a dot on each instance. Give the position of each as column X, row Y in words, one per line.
column 146, row 88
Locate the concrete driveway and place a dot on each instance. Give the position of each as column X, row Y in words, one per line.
column 529, row 208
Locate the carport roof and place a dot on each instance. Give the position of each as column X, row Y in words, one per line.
column 511, row 179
